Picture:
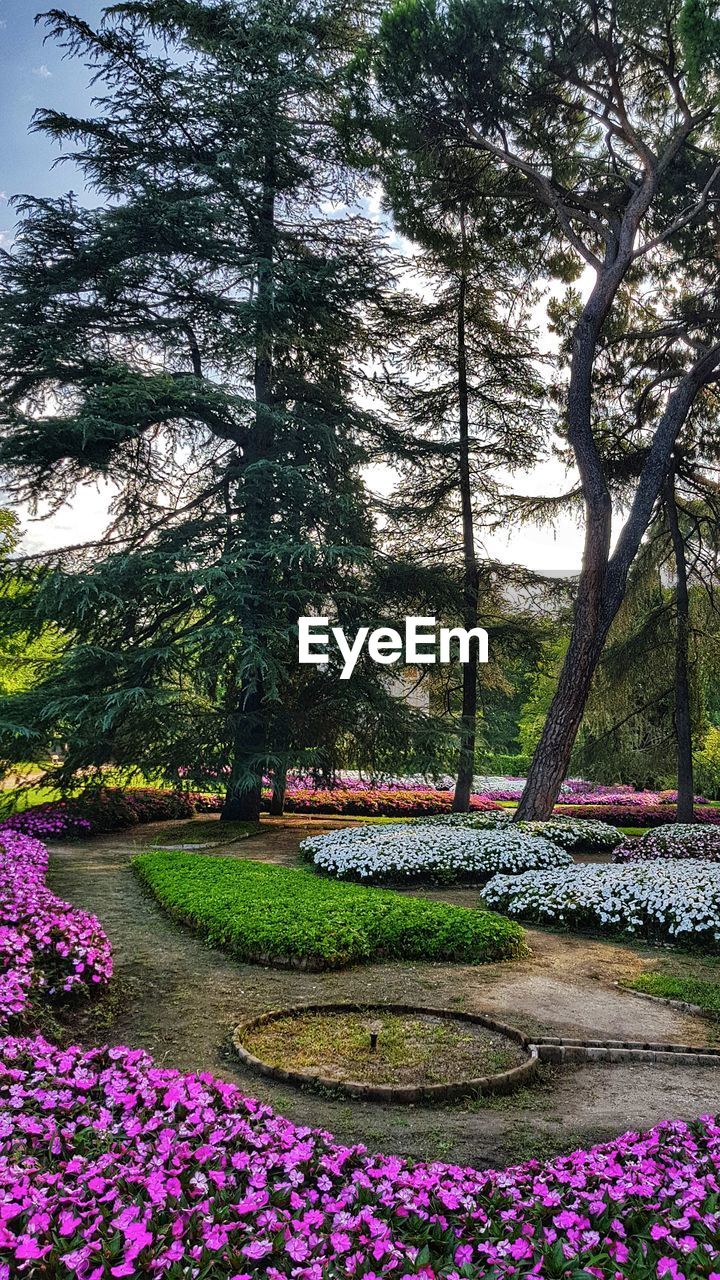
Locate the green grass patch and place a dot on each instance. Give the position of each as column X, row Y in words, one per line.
column 674, row 987
column 275, row 915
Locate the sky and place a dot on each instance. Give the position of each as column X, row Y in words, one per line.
column 34, row 73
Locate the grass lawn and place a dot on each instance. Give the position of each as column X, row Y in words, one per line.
column 691, row 979
column 268, row 914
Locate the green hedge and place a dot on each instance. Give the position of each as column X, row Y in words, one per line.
column 276, row 915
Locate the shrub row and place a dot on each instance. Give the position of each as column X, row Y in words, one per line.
column 677, row 901
column 276, row 915
column 101, row 809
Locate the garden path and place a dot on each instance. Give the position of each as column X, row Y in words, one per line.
column 180, row 1000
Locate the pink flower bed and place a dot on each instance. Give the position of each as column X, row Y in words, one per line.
column 111, row 1166
column 624, row 795
column 371, row 803
column 46, row 945
column 622, row 815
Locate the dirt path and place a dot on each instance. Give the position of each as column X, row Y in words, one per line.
column 181, row 999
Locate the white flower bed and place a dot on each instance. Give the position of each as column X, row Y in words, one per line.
column 673, row 901
column 568, row 833
column 675, row 840
column 469, row 821
column 575, row 833
column 422, row 851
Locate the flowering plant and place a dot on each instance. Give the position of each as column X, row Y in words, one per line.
column 378, row 802
column 677, row 840
column 674, row 901
column 46, row 945
column 102, row 809
column 112, row 1166
column 411, row 852
column 575, row 833
column 633, row 814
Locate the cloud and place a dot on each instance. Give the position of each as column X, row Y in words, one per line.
column 43, row 72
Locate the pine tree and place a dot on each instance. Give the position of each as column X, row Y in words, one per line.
column 196, row 340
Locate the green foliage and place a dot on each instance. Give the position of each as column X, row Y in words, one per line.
column 267, row 914
column 707, row 765
column 699, row 32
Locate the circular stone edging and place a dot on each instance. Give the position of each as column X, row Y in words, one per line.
column 502, row 1083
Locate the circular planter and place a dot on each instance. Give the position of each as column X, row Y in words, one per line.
column 502, row 1082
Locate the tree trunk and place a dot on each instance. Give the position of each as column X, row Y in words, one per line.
column 595, row 608
column 683, row 719
column 244, row 795
column 277, row 802
column 280, row 743
column 468, row 719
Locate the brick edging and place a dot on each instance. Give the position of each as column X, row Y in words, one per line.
column 502, row 1083
column 557, row 1051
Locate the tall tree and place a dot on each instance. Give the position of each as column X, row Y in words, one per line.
column 196, row 341
column 603, row 118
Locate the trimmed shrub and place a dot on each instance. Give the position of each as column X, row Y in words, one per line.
column 575, row 834
column 378, row 802
column 634, row 815
column 275, row 915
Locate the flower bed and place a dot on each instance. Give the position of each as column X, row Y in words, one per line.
column 378, row 802
column 443, row 854
column 634, row 814
column 115, row 1167
column 274, row 915
column 675, row 901
column 101, row 809
column 676, row 840
column 47, row 946
column 575, row 834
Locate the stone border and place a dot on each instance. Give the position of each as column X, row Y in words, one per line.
column 502, row 1083
column 558, row 1050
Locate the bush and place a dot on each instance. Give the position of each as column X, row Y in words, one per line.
column 676, row 840
column 674, row 901
column 276, row 915
column 435, row 851
column 378, row 802
column 707, row 764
